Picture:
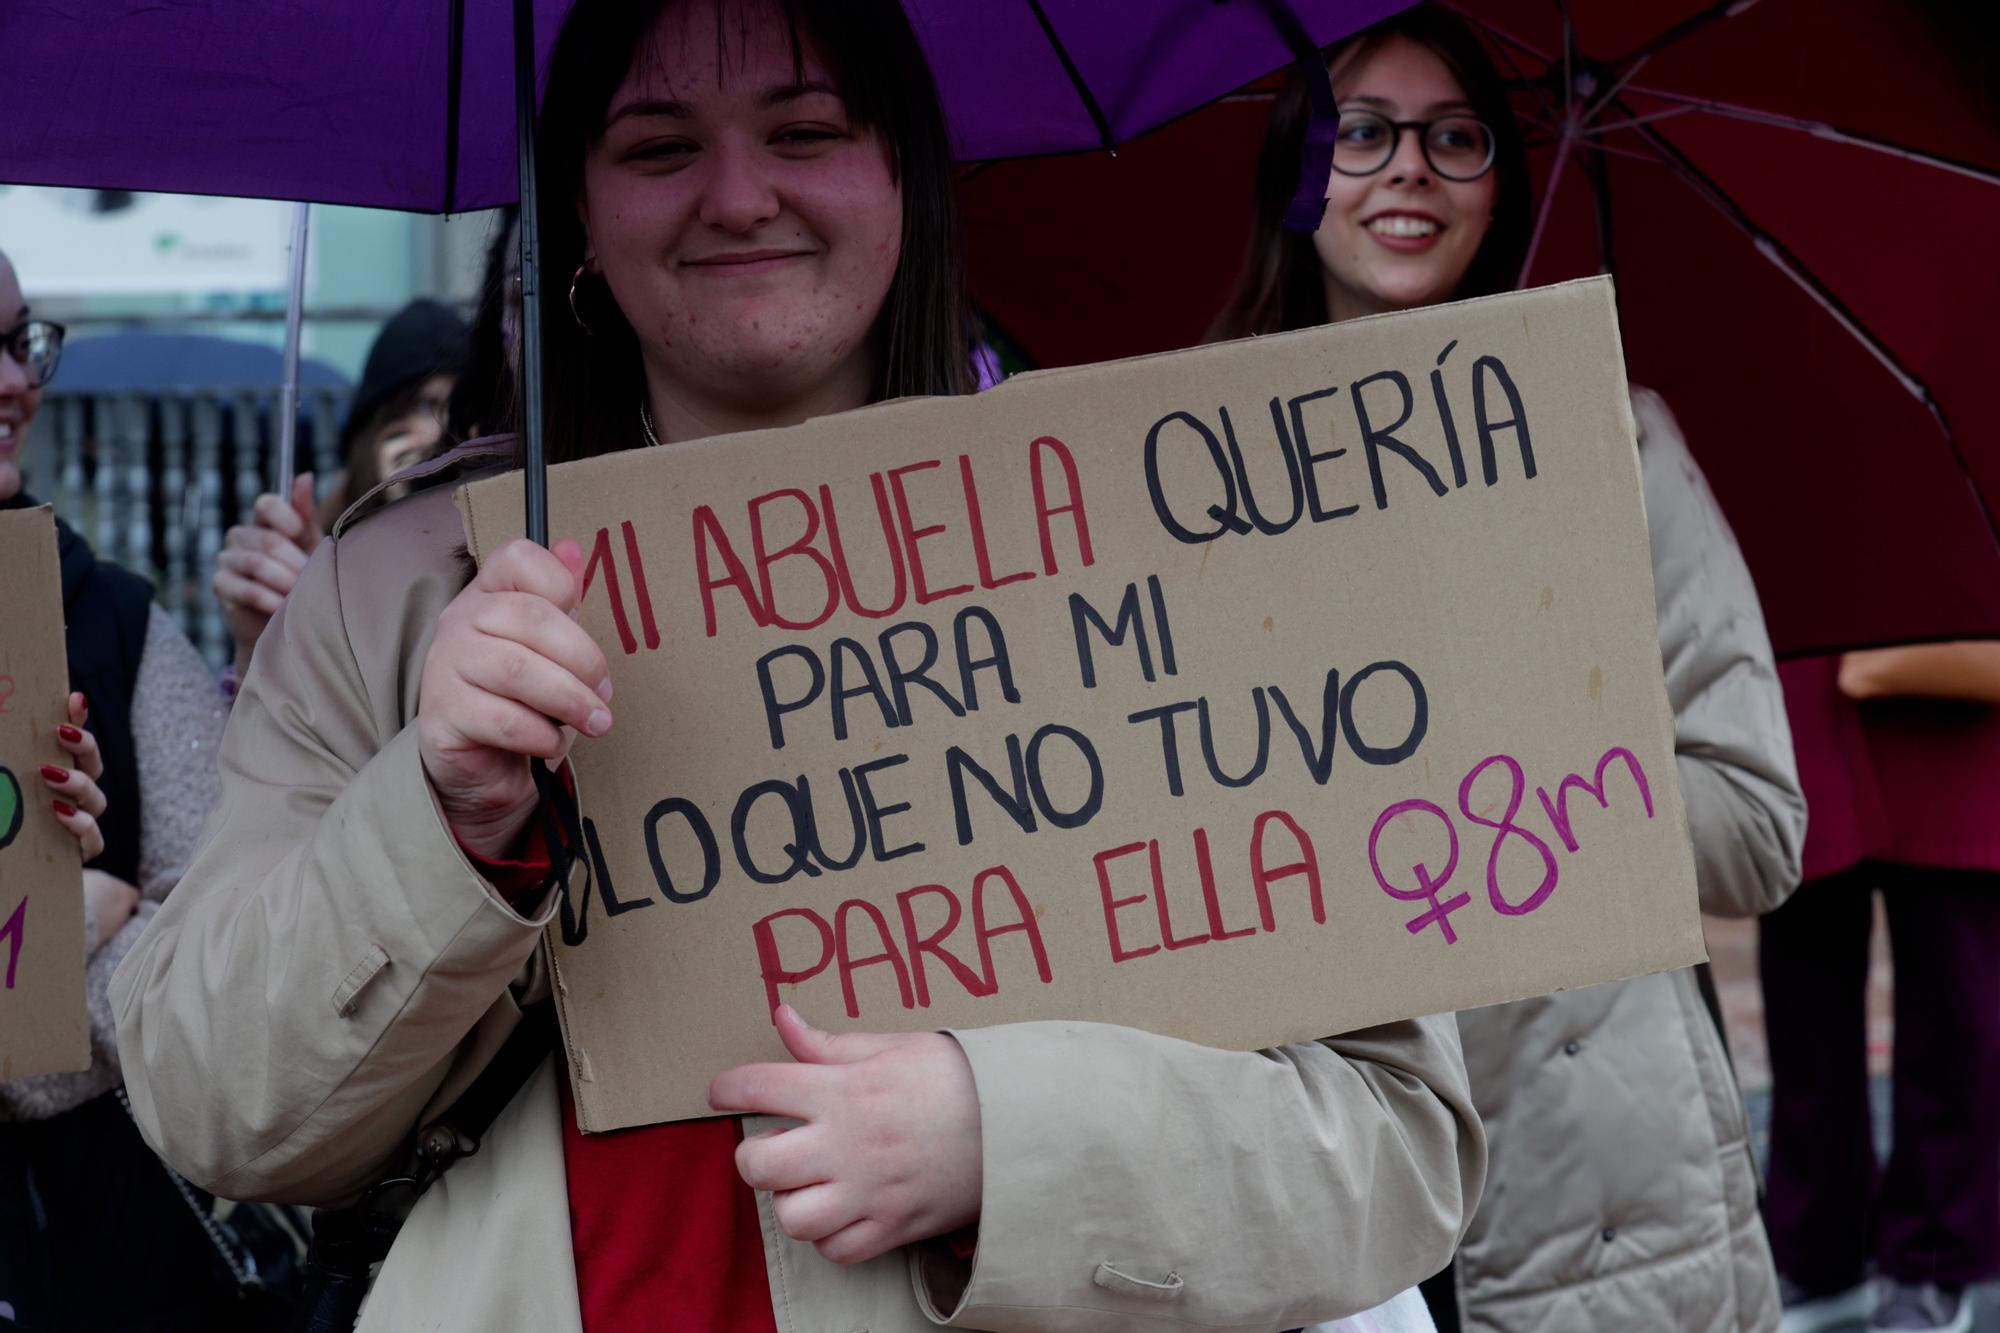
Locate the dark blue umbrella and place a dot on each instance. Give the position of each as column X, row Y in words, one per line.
column 140, row 361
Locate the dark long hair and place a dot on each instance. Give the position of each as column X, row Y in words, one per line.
column 483, row 400
column 593, row 383
column 1281, row 286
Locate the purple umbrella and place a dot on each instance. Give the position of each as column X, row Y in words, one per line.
column 409, row 104
column 412, row 105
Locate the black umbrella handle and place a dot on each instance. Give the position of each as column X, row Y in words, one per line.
column 558, row 804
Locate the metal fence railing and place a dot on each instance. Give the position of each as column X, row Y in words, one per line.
column 154, row 479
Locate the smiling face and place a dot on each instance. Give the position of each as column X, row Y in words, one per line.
column 20, row 398
column 747, row 228
column 1404, row 236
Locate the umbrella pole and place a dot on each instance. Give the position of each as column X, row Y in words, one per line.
column 288, row 389
column 561, row 814
column 534, row 465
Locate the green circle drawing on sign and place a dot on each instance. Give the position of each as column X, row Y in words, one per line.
column 10, row 807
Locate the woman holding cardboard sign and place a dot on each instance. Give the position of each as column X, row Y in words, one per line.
column 757, row 203
column 133, row 780
column 1625, row 1194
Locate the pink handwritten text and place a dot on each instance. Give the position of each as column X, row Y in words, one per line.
column 1473, row 805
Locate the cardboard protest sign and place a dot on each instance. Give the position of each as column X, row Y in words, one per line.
column 43, row 1025
column 1247, row 694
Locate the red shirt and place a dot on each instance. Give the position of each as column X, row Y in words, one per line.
column 665, row 1233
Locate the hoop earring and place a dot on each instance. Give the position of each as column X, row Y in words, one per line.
column 574, row 313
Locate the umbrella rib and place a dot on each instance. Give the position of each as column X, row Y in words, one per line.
column 1598, row 170
column 1502, row 41
column 1564, row 144
column 1776, row 252
column 1633, row 122
column 1083, row 93
column 1599, row 146
column 1604, row 99
column 1533, row 85
column 1821, row 130
column 1499, row 34
column 1569, row 66
column 1596, row 146
column 1693, row 23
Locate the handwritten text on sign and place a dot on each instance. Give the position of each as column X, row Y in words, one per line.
column 1025, row 706
column 43, row 1027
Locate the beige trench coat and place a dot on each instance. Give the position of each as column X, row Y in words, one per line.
column 1622, row 1192
column 332, row 970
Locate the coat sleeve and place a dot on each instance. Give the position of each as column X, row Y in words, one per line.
column 1134, row 1181
column 1739, row 780
column 303, row 992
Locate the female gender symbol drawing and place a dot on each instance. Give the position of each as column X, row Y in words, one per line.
column 1427, row 884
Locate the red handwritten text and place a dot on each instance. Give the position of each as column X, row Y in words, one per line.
column 1275, row 834
column 819, row 548
column 999, row 908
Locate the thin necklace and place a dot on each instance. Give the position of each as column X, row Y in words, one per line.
column 646, row 422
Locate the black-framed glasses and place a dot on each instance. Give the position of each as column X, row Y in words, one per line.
column 1459, row 148
column 36, row 346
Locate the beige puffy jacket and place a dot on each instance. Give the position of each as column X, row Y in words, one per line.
column 332, row 970
column 1622, row 1193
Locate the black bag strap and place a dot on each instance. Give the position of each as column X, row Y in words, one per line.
column 348, row 1242
column 457, row 1132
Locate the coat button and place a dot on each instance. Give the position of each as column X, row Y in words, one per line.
column 1610, row 1234
column 1571, row 1048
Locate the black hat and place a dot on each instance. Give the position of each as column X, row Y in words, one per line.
column 422, row 339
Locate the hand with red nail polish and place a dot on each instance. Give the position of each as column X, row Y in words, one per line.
column 76, row 798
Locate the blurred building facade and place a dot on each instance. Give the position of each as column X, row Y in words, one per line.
column 160, row 428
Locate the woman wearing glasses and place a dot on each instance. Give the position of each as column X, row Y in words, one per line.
column 1621, row 1192
column 79, row 1190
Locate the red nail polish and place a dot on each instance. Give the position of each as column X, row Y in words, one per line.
column 54, row 774
column 74, row 735
column 65, row 809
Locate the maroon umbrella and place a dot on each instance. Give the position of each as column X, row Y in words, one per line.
column 1799, row 204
